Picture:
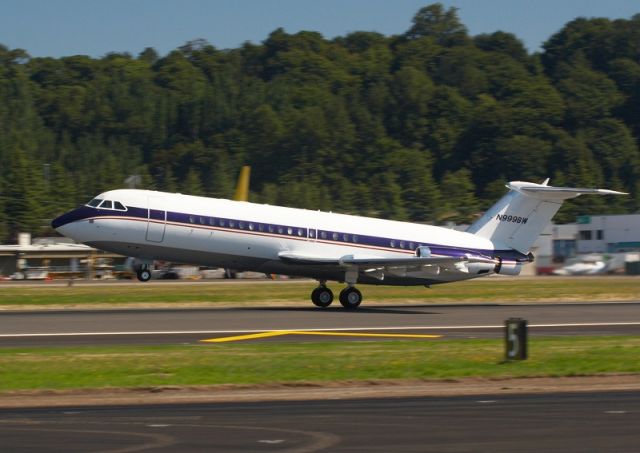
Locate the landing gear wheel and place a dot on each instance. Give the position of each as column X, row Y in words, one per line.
column 322, row 296
column 350, row 298
column 144, row 275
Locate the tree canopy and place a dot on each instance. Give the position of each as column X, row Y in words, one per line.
column 424, row 126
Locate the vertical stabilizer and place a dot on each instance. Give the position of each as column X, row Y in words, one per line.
column 519, row 217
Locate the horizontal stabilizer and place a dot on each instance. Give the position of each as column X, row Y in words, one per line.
column 557, row 193
column 519, row 217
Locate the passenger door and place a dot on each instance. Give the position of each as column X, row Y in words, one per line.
column 157, row 219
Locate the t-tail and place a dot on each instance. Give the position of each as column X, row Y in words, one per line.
column 519, row 217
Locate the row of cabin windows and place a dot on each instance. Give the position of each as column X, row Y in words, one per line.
column 402, row 244
column 279, row 229
column 106, row 204
column 343, row 237
column 290, row 231
column 251, row 226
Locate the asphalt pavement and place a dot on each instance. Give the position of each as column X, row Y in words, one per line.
column 594, row 422
column 176, row 326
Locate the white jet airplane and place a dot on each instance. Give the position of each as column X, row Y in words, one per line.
column 325, row 246
column 587, row 265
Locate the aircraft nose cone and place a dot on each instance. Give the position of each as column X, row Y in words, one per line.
column 71, row 216
column 60, row 221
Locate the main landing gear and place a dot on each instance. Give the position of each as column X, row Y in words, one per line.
column 322, row 296
column 350, row 297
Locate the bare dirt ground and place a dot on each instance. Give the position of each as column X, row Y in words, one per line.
column 318, row 391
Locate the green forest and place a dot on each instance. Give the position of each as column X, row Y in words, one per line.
column 425, row 126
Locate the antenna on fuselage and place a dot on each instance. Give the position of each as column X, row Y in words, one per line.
column 242, row 189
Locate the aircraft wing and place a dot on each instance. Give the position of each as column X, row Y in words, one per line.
column 297, row 258
column 372, row 264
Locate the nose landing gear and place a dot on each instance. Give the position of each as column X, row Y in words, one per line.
column 143, row 273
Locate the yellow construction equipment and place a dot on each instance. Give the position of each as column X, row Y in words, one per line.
column 242, row 189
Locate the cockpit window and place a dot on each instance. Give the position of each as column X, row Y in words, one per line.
column 101, row 203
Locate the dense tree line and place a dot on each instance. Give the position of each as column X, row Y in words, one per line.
column 424, row 126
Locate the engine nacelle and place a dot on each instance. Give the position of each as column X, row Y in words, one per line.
column 508, row 268
column 423, row 252
column 480, row 268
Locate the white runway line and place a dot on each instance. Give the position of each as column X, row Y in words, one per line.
column 328, row 329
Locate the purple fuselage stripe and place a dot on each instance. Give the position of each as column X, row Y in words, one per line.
column 282, row 231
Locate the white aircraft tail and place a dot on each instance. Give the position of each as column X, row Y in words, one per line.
column 519, row 217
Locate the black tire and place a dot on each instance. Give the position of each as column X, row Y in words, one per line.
column 144, row 275
column 350, row 298
column 322, row 297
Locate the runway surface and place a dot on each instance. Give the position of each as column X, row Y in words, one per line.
column 138, row 326
column 524, row 423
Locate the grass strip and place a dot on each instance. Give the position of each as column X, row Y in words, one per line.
column 268, row 363
column 485, row 291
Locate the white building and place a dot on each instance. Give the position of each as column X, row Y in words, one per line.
column 555, row 244
column 608, row 234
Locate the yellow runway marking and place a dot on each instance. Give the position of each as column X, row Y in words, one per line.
column 246, row 337
column 378, row 335
column 278, row 333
